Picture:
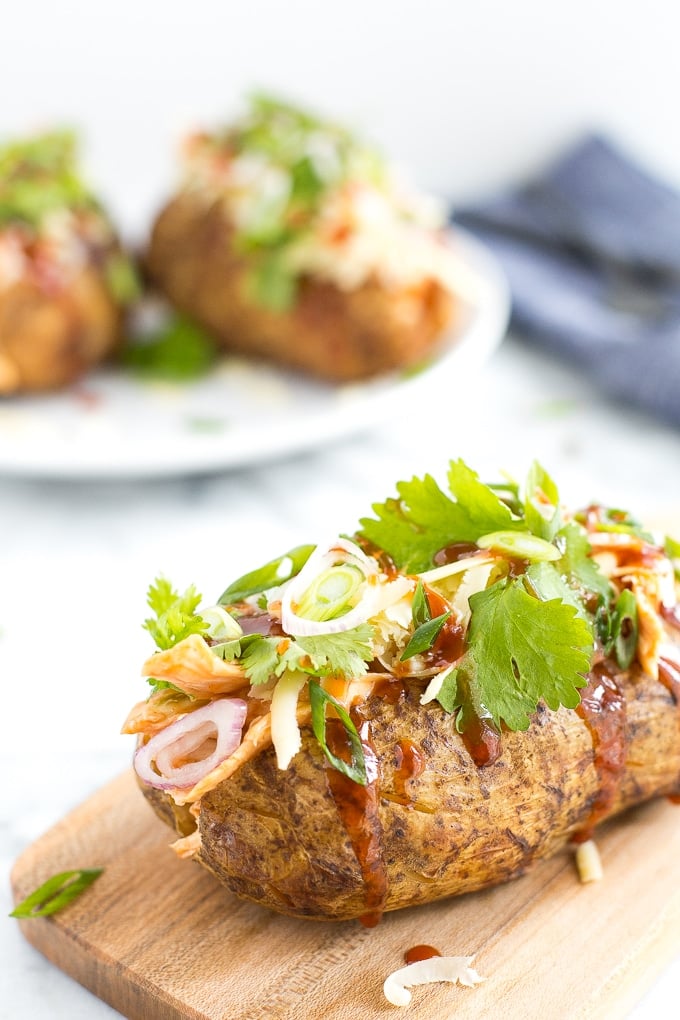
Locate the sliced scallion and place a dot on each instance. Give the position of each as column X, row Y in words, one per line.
column 56, row 893
column 520, row 545
column 332, row 593
column 356, row 768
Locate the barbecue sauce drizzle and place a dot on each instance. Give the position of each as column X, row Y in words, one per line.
column 603, row 709
column 410, row 762
column 357, row 806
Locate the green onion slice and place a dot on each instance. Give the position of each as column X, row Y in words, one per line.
column 271, row 575
column 319, row 698
column 331, row 594
column 425, row 636
column 625, row 628
column 56, row 893
column 520, row 545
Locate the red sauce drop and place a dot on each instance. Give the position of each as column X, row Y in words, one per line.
column 390, row 689
column 674, row 798
column 669, row 676
column 417, row 953
column 603, row 709
column 410, row 764
column 483, row 742
column 454, row 552
column 450, row 643
column 260, row 622
column 358, row 809
column 385, row 561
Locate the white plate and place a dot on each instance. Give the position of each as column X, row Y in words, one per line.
column 111, row 425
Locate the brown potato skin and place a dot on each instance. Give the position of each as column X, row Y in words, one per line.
column 49, row 339
column 336, row 335
column 276, row 837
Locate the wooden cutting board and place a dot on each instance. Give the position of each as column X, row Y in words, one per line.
column 159, row 939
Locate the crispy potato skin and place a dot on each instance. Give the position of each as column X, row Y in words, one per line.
column 49, row 339
column 277, row 838
column 336, row 335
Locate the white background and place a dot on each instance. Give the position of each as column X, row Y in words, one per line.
column 468, row 95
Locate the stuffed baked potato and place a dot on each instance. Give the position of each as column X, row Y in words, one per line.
column 292, row 242
column 64, row 279
column 423, row 711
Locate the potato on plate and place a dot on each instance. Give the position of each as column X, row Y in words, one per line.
column 291, row 241
column 64, row 279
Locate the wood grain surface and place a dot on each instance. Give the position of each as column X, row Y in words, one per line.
column 159, row 939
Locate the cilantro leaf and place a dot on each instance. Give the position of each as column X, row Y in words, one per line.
column 520, row 650
column 542, row 519
column 344, row 654
column 423, row 520
column 176, row 616
column 260, row 658
column 39, row 176
column 479, row 509
column 272, row 284
column 178, row 352
column 413, row 527
column 577, row 563
column 161, row 685
column 547, row 584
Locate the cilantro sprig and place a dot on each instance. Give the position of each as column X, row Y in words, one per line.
column 424, row 519
column 176, row 616
column 345, row 654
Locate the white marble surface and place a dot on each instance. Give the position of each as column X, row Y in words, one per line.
column 75, row 560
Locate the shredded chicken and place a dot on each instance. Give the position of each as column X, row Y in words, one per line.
column 651, row 631
column 161, row 709
column 195, row 669
column 188, row 846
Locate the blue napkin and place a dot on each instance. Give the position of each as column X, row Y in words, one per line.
column 592, row 252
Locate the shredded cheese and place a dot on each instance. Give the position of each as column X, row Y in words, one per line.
column 588, row 863
column 455, row 969
column 285, row 730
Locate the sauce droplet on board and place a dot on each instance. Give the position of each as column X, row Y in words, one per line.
column 603, row 709
column 417, row 953
column 358, row 809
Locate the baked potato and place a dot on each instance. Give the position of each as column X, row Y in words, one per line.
column 64, row 279
column 426, row 710
column 289, row 241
